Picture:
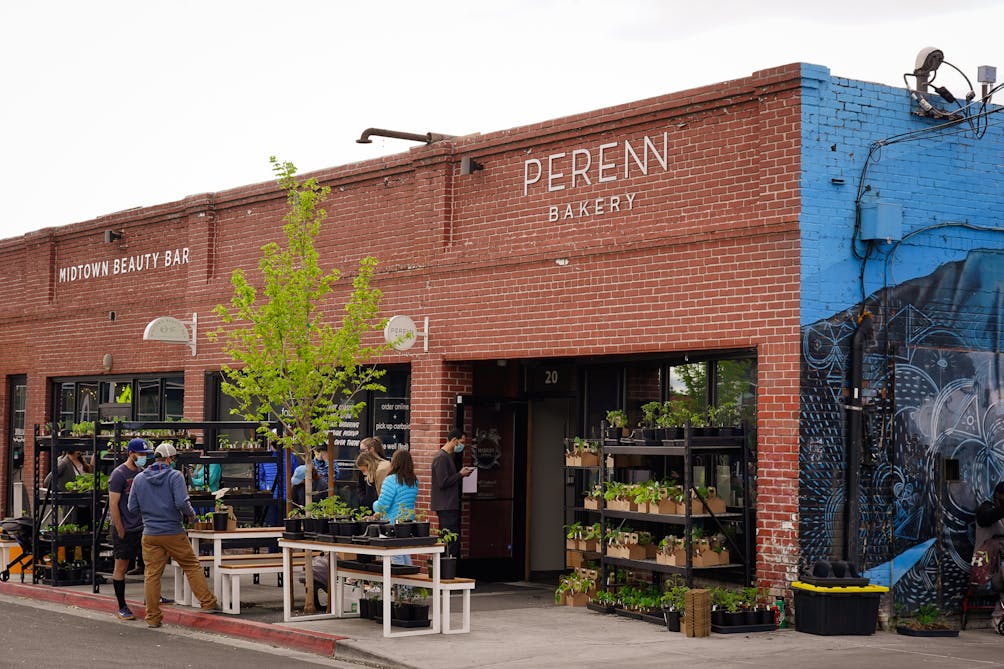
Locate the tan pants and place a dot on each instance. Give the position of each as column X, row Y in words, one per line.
column 156, row 550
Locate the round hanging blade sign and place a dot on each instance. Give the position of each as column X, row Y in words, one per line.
column 400, row 333
column 166, row 329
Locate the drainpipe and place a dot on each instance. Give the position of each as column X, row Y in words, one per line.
column 855, row 439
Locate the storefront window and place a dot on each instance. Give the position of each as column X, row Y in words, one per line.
column 726, row 385
column 148, row 400
column 152, row 400
column 174, row 398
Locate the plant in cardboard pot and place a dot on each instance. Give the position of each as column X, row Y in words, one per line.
column 927, row 620
column 447, row 562
column 617, row 420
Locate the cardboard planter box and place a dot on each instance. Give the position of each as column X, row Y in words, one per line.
column 697, row 622
column 621, row 505
column 706, row 558
column 627, row 551
column 591, row 503
column 573, row 559
column 712, row 503
column 668, row 507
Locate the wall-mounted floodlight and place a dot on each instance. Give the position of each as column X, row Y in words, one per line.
column 468, row 165
column 427, row 138
column 113, row 235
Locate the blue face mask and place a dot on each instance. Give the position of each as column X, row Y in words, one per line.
column 459, row 448
column 141, row 460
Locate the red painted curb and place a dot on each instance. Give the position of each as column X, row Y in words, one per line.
column 318, row 643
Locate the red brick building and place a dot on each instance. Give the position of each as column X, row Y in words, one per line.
column 589, row 256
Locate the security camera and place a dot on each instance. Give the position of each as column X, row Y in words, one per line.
column 928, row 60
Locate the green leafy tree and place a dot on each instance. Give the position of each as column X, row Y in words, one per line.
column 290, row 361
column 289, row 358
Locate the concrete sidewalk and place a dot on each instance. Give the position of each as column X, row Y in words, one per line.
column 517, row 625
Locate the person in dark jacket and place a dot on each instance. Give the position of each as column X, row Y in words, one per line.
column 990, row 525
column 160, row 495
column 445, row 486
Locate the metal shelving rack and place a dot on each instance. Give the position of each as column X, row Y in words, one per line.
column 684, row 450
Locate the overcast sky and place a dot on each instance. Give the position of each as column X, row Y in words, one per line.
column 108, row 105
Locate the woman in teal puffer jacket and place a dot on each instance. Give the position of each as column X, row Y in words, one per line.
column 398, row 495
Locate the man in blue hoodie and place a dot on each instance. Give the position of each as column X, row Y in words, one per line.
column 160, row 495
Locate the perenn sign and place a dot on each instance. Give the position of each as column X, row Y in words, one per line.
column 400, row 333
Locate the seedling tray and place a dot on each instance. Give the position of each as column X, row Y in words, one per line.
column 395, row 542
column 741, row 629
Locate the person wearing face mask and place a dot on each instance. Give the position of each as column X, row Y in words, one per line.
column 445, row 487
column 159, row 493
column 126, row 527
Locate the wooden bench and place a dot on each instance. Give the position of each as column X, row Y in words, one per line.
column 421, row 580
column 230, row 577
column 232, row 566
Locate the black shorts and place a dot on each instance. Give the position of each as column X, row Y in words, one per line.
column 128, row 547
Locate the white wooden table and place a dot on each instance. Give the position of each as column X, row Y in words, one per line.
column 198, row 536
column 384, row 553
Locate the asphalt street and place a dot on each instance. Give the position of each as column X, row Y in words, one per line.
column 53, row 636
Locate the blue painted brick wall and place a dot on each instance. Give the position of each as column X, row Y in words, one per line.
column 937, row 178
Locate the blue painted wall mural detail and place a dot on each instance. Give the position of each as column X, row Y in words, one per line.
column 945, row 387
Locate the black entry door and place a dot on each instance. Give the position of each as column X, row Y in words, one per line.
column 496, row 512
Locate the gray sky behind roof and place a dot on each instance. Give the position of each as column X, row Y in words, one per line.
column 113, row 104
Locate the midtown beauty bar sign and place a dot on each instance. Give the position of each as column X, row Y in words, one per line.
column 140, row 262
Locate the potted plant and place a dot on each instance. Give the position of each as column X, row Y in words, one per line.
column 293, row 522
column 650, row 413
column 221, row 516
column 421, row 524
column 447, row 563
column 724, row 419
column 602, row 601
column 617, row 420
column 672, row 419
column 674, row 603
column 418, row 604
column 927, row 620
column 404, row 524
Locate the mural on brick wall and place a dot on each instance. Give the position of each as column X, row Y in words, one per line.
column 946, row 386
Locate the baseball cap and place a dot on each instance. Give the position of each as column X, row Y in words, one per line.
column 299, row 475
column 139, row 445
column 165, row 450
